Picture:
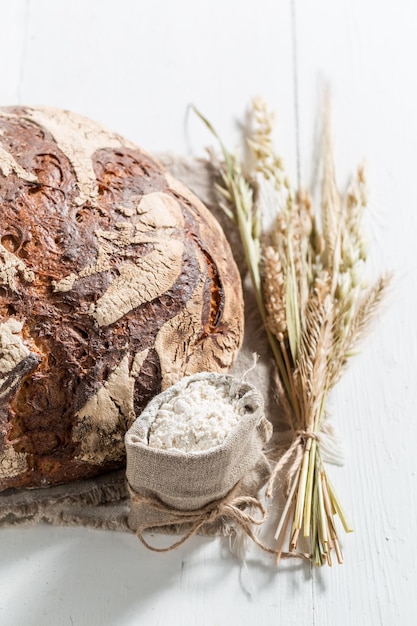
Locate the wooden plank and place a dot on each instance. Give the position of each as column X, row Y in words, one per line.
column 77, row 576
column 14, row 21
column 367, row 50
column 137, row 68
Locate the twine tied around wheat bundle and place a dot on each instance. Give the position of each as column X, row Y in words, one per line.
column 294, row 460
column 293, row 454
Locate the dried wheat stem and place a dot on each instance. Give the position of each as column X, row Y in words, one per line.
column 283, row 531
column 299, row 508
column 288, row 506
column 294, row 395
column 309, row 489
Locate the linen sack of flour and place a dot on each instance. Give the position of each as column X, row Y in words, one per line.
column 208, row 483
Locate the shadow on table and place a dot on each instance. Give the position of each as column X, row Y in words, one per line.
column 76, row 577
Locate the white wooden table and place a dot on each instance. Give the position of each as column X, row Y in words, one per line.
column 136, row 65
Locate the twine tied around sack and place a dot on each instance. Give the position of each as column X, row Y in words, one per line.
column 230, row 506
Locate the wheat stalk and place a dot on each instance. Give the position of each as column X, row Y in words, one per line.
column 306, row 273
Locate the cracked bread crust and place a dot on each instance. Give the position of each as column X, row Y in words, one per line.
column 115, row 282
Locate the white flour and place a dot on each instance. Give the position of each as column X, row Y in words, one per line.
column 198, row 418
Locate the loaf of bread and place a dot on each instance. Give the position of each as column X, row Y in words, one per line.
column 115, row 282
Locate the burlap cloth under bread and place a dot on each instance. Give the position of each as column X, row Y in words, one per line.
column 103, row 502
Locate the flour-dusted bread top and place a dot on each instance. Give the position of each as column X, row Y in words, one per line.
column 115, row 282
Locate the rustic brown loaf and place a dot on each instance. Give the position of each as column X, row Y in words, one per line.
column 115, row 281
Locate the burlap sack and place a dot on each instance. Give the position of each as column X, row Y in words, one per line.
column 204, row 491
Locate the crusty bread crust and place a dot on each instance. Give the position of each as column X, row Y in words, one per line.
column 115, row 281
